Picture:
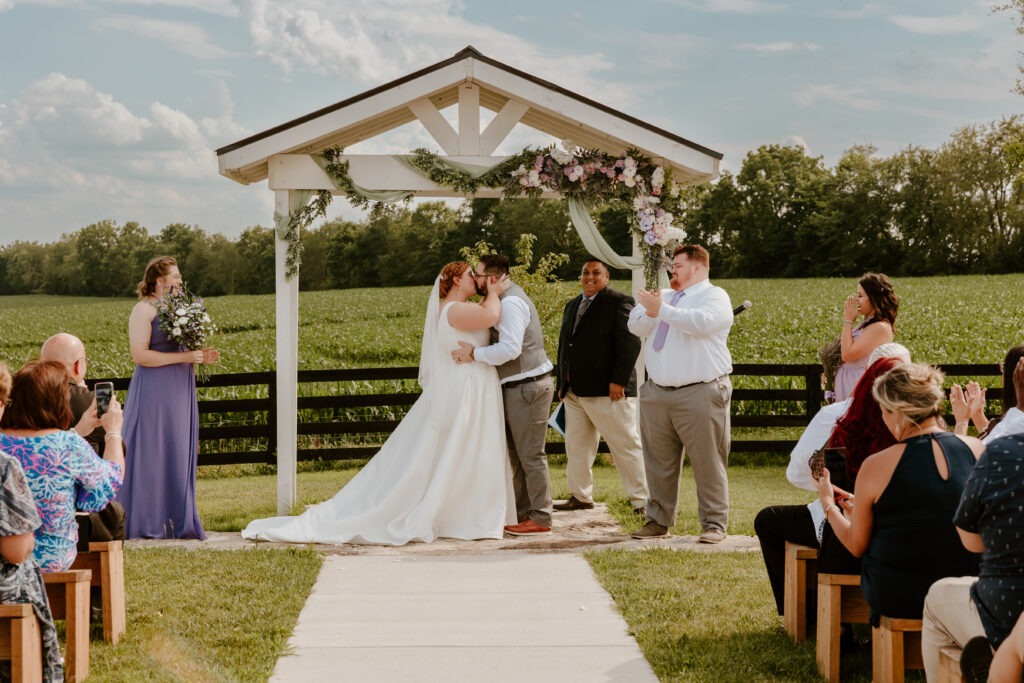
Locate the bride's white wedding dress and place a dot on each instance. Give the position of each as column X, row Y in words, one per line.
column 444, row 471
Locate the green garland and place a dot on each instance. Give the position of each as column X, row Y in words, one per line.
column 586, row 174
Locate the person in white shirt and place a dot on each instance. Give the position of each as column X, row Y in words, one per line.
column 684, row 405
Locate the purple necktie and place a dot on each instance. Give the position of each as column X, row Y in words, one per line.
column 662, row 331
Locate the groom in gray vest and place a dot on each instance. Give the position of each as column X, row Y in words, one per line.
column 517, row 350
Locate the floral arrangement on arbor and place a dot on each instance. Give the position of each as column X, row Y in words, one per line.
column 589, row 175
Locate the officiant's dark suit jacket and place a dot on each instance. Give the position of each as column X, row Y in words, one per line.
column 602, row 350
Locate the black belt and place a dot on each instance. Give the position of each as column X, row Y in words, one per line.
column 683, row 386
column 526, row 380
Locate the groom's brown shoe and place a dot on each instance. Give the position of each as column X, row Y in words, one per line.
column 573, row 503
column 527, row 528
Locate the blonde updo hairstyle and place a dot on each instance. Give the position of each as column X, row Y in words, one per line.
column 914, row 390
column 449, row 275
column 155, row 269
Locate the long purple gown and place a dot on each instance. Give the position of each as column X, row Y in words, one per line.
column 161, row 439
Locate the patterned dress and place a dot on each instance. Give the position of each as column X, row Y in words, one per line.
column 64, row 475
column 23, row 583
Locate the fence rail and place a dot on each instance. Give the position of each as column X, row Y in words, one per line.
column 252, row 422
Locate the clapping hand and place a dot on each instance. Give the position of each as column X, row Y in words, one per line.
column 650, row 300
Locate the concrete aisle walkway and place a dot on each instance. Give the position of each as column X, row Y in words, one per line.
column 500, row 617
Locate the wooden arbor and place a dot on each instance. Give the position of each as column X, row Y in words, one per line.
column 468, row 80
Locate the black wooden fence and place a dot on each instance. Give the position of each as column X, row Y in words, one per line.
column 328, row 422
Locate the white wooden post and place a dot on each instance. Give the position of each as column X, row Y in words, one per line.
column 287, row 320
column 638, row 283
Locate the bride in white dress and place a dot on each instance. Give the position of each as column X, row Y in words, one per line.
column 444, row 471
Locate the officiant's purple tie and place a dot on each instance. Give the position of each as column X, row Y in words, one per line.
column 662, row 331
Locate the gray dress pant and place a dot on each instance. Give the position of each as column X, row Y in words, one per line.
column 526, row 427
column 694, row 421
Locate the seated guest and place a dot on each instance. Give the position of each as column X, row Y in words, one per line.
column 20, row 579
column 989, row 521
column 861, row 432
column 899, row 522
column 62, row 469
column 68, row 350
column 970, row 405
column 978, row 665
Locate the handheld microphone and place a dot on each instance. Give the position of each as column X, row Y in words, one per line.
column 742, row 307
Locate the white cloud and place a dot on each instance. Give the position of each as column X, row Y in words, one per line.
column 784, row 46
column 964, row 22
column 851, row 97
column 70, row 110
column 225, row 8
column 6, row 5
column 731, row 6
column 866, row 10
column 369, row 41
column 188, row 38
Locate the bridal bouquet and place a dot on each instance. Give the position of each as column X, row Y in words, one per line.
column 183, row 318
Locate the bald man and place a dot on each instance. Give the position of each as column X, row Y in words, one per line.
column 67, row 349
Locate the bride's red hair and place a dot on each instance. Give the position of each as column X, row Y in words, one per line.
column 449, row 274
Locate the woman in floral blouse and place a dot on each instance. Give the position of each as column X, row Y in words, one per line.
column 20, row 579
column 63, row 471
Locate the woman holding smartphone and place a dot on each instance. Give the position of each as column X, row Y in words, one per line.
column 161, row 424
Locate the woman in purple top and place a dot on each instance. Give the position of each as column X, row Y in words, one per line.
column 878, row 303
column 161, row 422
column 63, row 471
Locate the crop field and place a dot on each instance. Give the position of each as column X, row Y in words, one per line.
column 966, row 319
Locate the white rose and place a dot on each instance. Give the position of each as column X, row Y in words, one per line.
column 176, row 331
column 181, row 321
column 180, row 311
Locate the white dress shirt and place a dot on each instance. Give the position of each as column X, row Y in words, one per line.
column 515, row 316
column 695, row 348
column 1012, row 423
column 818, row 431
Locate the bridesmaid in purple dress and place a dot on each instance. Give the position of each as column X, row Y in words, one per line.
column 878, row 303
column 161, row 420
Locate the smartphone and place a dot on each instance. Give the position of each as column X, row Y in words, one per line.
column 104, row 390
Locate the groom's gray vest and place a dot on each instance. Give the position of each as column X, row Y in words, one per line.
column 533, row 355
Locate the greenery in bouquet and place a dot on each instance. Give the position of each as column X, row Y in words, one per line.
column 831, row 356
column 183, row 318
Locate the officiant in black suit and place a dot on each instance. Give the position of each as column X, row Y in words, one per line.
column 597, row 384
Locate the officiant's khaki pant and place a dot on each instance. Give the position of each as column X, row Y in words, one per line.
column 692, row 422
column 587, row 419
column 526, row 428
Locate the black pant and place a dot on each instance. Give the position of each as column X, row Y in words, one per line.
column 105, row 525
column 776, row 525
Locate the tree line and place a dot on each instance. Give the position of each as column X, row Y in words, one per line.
column 956, row 209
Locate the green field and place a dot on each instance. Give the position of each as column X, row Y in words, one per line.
column 968, row 319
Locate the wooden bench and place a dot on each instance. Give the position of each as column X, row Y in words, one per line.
column 106, row 562
column 68, row 593
column 21, row 643
column 895, row 647
column 949, row 665
column 840, row 601
column 801, row 562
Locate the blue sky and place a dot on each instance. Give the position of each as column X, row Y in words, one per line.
column 113, row 109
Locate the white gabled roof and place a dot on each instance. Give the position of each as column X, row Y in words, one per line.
column 516, row 96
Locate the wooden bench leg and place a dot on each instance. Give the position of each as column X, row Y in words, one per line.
column 69, row 599
column 829, row 607
column 895, row 647
column 106, row 561
column 801, row 562
column 21, row 642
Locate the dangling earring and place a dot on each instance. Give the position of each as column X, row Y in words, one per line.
column 899, row 429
